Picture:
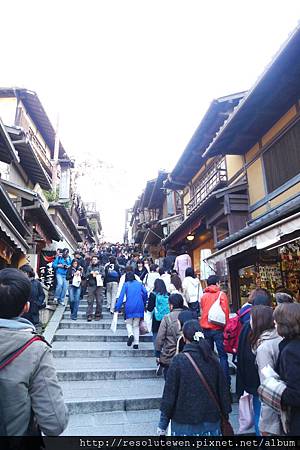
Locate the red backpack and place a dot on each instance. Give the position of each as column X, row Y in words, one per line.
column 232, row 332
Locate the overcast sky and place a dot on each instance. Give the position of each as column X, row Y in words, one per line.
column 131, row 79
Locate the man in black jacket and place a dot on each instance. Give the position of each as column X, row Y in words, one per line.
column 95, row 275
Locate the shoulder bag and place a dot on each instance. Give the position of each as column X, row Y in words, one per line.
column 216, row 314
column 226, row 427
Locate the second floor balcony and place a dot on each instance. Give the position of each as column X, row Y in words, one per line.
column 213, row 178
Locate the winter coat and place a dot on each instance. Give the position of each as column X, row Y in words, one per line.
column 185, row 399
column 288, row 368
column 192, row 289
column 166, row 277
column 60, row 260
column 37, row 302
column 109, row 278
column 211, row 293
column 29, row 383
column 247, row 378
column 141, row 273
column 182, row 262
column 267, row 351
column 168, row 262
column 149, row 280
column 136, row 298
column 167, row 337
column 246, row 317
column 92, row 281
column 150, row 307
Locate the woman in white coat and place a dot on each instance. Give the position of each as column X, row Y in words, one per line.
column 192, row 291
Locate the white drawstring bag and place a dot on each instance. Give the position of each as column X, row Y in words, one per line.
column 216, row 314
column 114, row 323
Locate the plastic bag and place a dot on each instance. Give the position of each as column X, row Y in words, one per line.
column 246, row 413
column 148, row 320
column 76, row 280
column 114, row 322
column 216, row 314
column 143, row 327
column 99, row 280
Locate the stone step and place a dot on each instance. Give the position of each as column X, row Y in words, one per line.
column 81, row 323
column 82, row 315
column 128, row 363
column 102, row 335
column 109, row 395
column 109, row 374
column 116, row 423
column 99, row 350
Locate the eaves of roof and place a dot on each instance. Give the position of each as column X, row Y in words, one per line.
column 191, row 159
column 38, row 114
column 8, row 153
column 273, row 216
column 273, row 94
column 67, row 219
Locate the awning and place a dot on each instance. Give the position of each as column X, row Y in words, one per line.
column 260, row 239
column 7, row 227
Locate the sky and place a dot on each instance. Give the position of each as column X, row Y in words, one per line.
column 131, row 79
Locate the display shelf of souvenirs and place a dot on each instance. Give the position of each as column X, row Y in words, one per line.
column 248, row 282
column 270, row 277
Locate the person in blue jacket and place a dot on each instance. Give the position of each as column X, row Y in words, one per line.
column 61, row 264
column 136, row 298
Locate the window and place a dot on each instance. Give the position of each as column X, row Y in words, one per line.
column 282, row 159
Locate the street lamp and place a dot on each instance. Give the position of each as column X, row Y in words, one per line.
column 190, row 237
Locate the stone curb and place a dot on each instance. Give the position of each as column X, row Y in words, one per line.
column 53, row 324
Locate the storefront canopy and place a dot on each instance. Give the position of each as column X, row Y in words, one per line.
column 260, row 239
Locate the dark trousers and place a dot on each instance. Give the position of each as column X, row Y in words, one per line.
column 217, row 337
column 95, row 293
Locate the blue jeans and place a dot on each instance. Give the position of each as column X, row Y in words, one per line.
column 201, row 429
column 256, row 409
column 61, row 288
column 217, row 337
column 154, row 336
column 74, row 300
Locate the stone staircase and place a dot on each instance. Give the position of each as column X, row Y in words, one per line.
column 109, row 388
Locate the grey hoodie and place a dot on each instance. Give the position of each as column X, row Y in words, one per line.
column 267, row 353
column 28, row 385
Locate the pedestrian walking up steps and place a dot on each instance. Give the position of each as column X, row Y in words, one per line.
column 109, row 388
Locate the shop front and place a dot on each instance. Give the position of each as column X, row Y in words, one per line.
column 270, row 259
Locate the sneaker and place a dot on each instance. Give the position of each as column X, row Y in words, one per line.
column 130, row 341
column 135, row 346
column 73, row 318
column 159, row 370
column 89, row 319
column 98, row 317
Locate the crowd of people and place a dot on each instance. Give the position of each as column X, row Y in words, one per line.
column 192, row 331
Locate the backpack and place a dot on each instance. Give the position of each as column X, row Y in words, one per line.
column 161, row 306
column 232, row 332
column 8, row 360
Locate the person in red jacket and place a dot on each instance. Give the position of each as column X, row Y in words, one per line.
column 214, row 333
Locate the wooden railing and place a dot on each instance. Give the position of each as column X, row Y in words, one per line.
column 210, row 180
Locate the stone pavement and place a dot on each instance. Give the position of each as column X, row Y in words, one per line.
column 109, row 388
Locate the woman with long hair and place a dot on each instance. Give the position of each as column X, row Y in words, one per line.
column 265, row 341
column 136, row 298
column 74, row 276
column 287, row 321
column 186, row 401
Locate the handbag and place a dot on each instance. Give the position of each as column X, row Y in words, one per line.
column 216, row 314
column 226, row 427
column 246, row 414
